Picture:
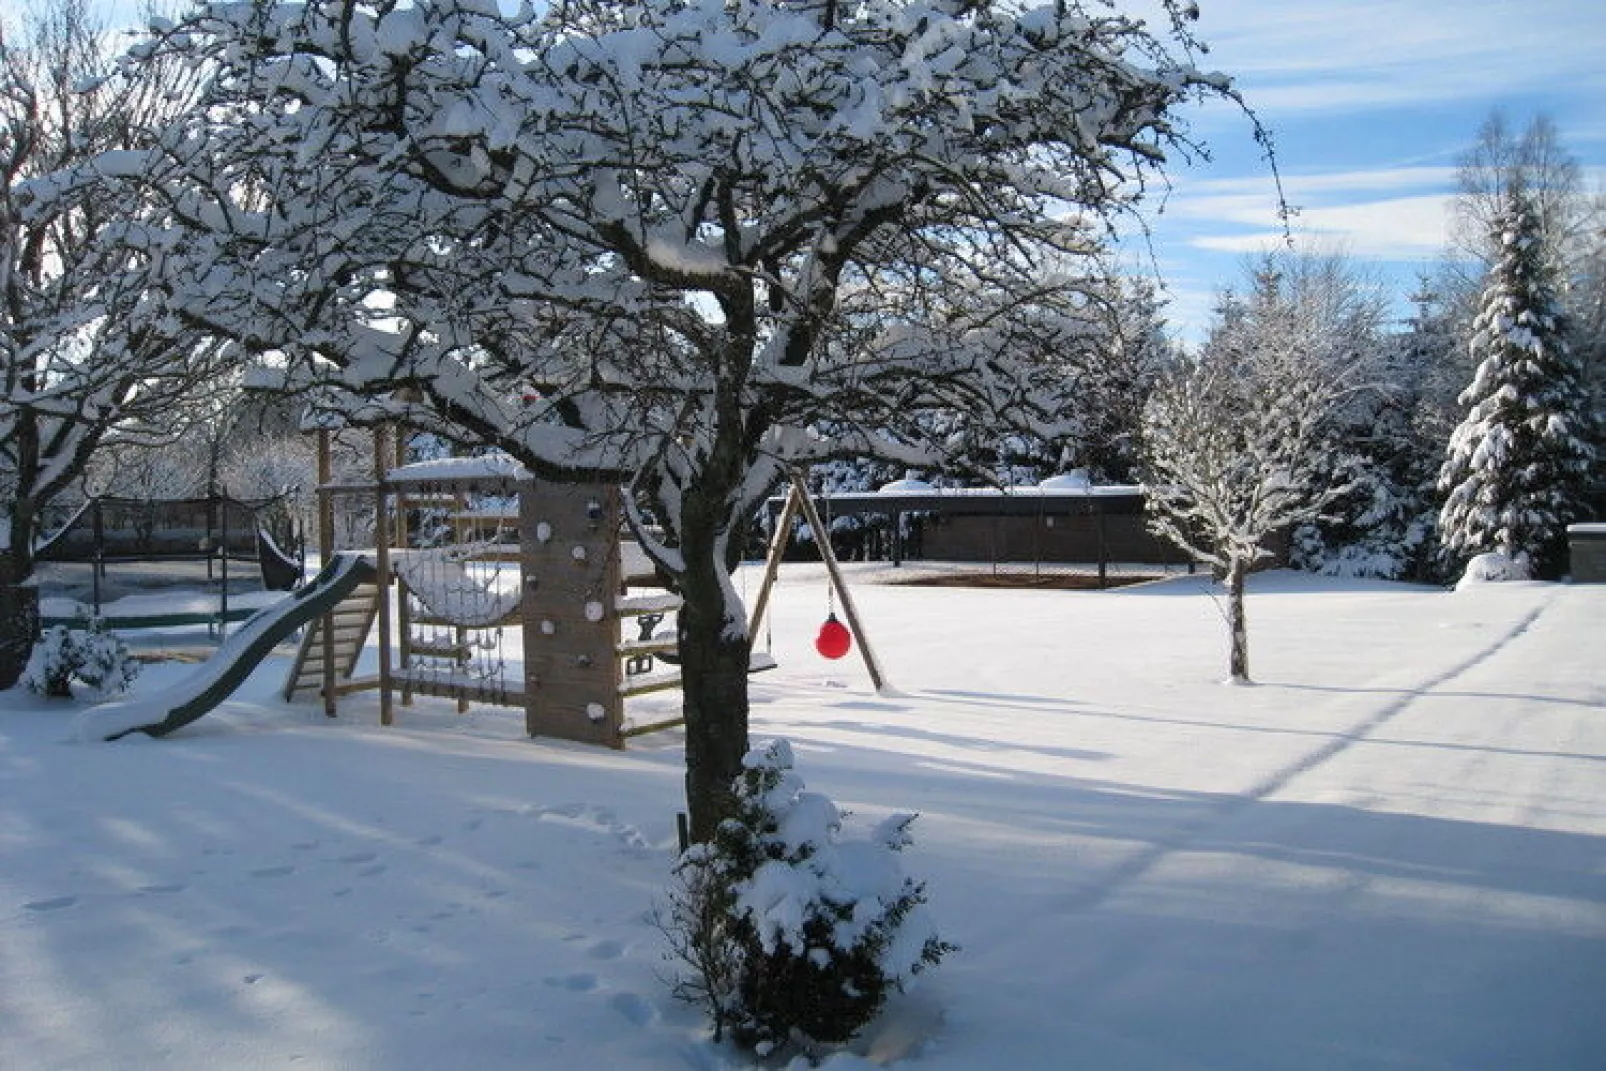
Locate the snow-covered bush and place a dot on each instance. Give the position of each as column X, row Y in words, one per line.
column 795, row 936
column 1492, row 567
column 90, row 655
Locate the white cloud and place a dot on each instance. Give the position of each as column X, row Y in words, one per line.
column 1346, row 55
column 1394, row 213
column 1384, row 213
column 1400, row 228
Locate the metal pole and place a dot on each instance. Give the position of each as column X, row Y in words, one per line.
column 223, row 570
column 97, row 567
column 1104, row 546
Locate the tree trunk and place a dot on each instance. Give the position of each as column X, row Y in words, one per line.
column 1237, row 626
column 714, row 654
column 19, row 617
column 714, row 678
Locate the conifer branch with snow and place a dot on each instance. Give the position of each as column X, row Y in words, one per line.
column 1516, row 467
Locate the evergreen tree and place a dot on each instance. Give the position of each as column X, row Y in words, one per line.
column 1113, row 377
column 1393, row 434
column 1519, row 462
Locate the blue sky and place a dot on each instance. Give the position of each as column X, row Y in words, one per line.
column 1370, row 103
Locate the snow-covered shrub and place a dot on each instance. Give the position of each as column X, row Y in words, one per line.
column 90, row 655
column 795, row 936
column 1493, row 567
column 49, row 669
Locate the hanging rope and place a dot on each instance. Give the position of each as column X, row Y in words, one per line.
column 834, row 639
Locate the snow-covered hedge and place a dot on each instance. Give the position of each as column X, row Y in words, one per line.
column 796, row 936
column 90, row 655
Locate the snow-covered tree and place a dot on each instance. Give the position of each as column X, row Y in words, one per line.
column 1330, row 310
column 690, row 230
column 1240, row 444
column 78, row 358
column 1569, row 225
column 1111, row 380
column 1401, row 438
column 1518, row 464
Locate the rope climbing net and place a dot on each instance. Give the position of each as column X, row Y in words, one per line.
column 460, row 600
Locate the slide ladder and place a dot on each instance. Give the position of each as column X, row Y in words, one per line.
column 352, row 618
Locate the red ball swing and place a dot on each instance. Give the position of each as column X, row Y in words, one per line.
column 834, row 640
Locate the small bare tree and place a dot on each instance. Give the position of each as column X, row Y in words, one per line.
column 80, row 355
column 1239, row 443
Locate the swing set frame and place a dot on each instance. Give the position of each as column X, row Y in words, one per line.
column 799, row 501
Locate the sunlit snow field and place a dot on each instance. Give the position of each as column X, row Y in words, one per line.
column 1386, row 854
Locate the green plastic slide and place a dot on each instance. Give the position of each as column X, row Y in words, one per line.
column 215, row 680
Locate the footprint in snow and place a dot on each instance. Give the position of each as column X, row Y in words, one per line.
column 53, row 904
column 575, row 983
column 607, row 950
column 272, row 871
column 174, row 887
column 634, row 1008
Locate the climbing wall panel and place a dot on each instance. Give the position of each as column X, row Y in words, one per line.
column 569, row 535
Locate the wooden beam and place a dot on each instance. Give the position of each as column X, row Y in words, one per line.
column 772, row 562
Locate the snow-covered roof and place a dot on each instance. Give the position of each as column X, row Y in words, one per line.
column 1046, row 489
column 492, row 466
column 906, row 486
column 1075, row 480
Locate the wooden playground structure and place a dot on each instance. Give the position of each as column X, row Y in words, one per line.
column 508, row 551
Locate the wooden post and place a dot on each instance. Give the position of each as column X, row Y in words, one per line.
column 326, row 550
column 772, row 562
column 404, row 640
column 827, row 555
column 382, row 566
column 326, row 507
column 459, row 530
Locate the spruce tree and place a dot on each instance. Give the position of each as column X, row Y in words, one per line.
column 1518, row 464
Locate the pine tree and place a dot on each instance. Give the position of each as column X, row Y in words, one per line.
column 1519, row 462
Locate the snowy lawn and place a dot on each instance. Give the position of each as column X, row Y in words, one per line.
column 1388, row 853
